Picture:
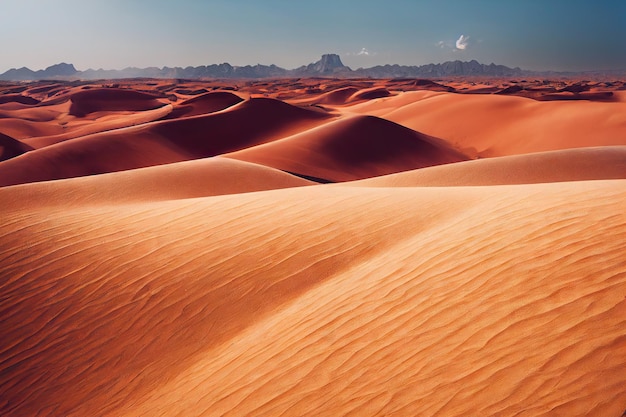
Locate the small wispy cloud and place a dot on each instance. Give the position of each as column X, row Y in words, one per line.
column 462, row 43
column 362, row 52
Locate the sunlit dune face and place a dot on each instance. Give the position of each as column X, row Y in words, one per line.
column 313, row 247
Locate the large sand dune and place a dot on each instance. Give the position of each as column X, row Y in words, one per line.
column 495, row 125
column 189, row 179
column 246, row 124
column 204, row 104
column 352, row 148
column 164, row 254
column 103, row 99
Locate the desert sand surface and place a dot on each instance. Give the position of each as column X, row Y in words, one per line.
column 313, row 247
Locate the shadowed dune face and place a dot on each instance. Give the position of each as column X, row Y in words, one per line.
column 494, row 125
column 162, row 252
column 111, row 99
column 10, row 148
column 370, row 94
column 580, row 164
column 18, row 98
column 205, row 103
column 352, row 148
column 246, row 124
column 338, row 96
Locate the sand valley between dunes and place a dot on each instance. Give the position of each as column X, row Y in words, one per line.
column 313, row 247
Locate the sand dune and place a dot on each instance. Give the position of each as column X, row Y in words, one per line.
column 600, row 96
column 352, row 148
column 10, row 148
column 25, row 122
column 370, row 94
column 90, row 155
column 205, row 103
column 22, row 129
column 108, row 99
column 189, row 179
column 161, row 254
column 493, row 125
column 73, row 128
column 44, row 89
column 581, row 164
column 246, row 124
column 337, row 96
column 223, row 304
column 429, row 84
column 52, row 123
column 18, row 98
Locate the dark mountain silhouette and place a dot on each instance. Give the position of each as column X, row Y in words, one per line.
column 450, row 68
column 19, row 74
column 58, row 70
column 329, row 65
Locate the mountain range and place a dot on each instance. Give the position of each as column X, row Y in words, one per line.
column 329, row 65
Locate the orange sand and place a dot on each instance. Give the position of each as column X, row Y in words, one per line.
column 166, row 248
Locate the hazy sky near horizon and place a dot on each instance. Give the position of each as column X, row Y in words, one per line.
column 113, row 34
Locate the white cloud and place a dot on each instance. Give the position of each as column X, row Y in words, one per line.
column 462, row 42
column 362, row 52
column 455, row 46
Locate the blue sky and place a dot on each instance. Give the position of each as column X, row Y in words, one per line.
column 532, row 34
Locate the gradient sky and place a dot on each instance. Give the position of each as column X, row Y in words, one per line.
column 113, row 34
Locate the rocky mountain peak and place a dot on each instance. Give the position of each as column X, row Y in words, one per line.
column 329, row 63
column 60, row 70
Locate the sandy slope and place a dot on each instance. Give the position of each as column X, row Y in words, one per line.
column 246, row 124
column 227, row 286
column 598, row 163
column 111, row 99
column 352, row 148
column 52, row 122
column 494, row 125
column 10, row 148
column 189, row 179
column 261, row 304
column 74, row 127
column 204, row 104
column 17, row 99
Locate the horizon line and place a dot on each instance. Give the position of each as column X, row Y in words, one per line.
column 538, row 71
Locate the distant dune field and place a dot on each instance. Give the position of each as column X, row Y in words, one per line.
column 312, row 247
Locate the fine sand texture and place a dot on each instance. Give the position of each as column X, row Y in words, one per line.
column 313, row 247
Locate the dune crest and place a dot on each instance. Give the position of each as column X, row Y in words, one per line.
column 189, row 179
column 205, row 103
